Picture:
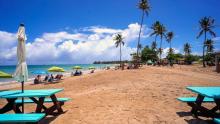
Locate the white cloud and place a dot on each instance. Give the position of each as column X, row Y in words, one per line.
column 91, row 44
column 216, row 39
column 101, row 30
column 7, row 39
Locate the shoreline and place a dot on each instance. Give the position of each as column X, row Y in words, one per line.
column 15, row 84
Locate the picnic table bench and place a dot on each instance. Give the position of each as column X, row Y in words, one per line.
column 21, row 118
column 34, row 96
column 217, row 120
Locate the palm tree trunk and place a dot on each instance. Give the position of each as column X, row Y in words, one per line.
column 155, row 39
column 170, row 44
column 161, row 38
column 139, row 37
column 120, row 57
column 203, row 53
column 170, row 54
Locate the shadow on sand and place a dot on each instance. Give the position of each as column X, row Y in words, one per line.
column 49, row 119
column 194, row 120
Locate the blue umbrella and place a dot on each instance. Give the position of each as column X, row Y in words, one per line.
column 39, row 72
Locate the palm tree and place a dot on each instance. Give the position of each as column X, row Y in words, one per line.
column 145, row 7
column 154, row 46
column 170, row 36
column 206, row 26
column 140, row 47
column 171, row 51
column 154, row 27
column 209, row 46
column 118, row 42
column 187, row 49
column 161, row 32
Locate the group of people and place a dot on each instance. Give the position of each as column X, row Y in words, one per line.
column 48, row 78
column 77, row 73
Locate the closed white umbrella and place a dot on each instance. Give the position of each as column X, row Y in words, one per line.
column 21, row 72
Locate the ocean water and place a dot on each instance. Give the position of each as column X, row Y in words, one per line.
column 31, row 68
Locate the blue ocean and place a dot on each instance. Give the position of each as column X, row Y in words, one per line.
column 32, row 68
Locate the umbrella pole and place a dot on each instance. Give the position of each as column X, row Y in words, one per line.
column 22, row 86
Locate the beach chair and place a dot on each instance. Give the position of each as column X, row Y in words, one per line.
column 21, row 118
column 217, row 120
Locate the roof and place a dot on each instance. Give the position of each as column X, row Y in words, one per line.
column 217, row 53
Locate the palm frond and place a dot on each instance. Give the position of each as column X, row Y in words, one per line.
column 200, row 34
column 212, row 33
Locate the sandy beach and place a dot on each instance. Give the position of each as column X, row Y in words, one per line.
column 143, row 96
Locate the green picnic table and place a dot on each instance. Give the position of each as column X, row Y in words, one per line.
column 36, row 96
column 203, row 94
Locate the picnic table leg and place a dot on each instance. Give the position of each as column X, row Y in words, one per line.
column 9, row 106
column 36, row 101
column 40, row 104
column 56, row 103
column 198, row 104
column 217, row 101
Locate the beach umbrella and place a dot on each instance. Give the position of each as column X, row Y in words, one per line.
column 41, row 72
column 77, row 67
column 21, row 72
column 149, row 62
column 56, row 69
column 5, row 75
column 92, row 67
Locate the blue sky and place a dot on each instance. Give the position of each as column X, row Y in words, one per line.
column 85, row 17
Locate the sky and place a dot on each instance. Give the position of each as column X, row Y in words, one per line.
column 82, row 31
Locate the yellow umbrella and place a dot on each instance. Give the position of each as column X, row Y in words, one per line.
column 5, row 75
column 77, row 67
column 56, row 69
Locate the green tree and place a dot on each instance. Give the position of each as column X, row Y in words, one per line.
column 145, row 8
column 118, row 42
column 148, row 54
column 206, row 26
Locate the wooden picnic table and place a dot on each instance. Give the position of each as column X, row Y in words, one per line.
column 37, row 96
column 209, row 92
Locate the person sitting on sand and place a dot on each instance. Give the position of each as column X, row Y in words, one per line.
column 37, row 80
column 92, row 71
column 46, row 78
column 58, row 77
column 51, row 78
column 78, row 73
